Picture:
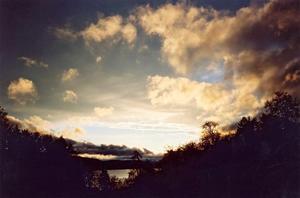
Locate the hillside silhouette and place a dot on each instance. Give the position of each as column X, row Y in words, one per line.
column 260, row 159
column 35, row 165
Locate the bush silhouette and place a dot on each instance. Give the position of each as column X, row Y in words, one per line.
column 261, row 159
column 35, row 165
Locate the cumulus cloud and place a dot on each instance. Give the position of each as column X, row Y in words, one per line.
column 255, row 40
column 261, row 41
column 213, row 101
column 184, row 31
column 111, row 27
column 22, row 91
column 33, row 123
column 70, row 96
column 70, row 74
column 29, row 62
column 73, row 133
column 129, row 33
column 37, row 124
column 103, row 111
column 103, row 29
column 257, row 47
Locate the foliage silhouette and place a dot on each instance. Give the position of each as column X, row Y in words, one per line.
column 210, row 133
column 136, row 156
column 261, row 159
column 35, row 165
column 105, row 184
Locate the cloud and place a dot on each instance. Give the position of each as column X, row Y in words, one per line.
column 105, row 152
column 185, row 33
column 69, row 74
column 22, row 91
column 37, row 124
column 259, row 41
column 255, row 40
column 73, row 133
column 98, row 59
column 103, row 29
column 103, row 111
column 33, row 123
column 102, row 157
column 171, row 91
column 14, row 121
column 108, row 28
column 129, row 33
column 256, row 47
column 98, row 156
column 70, row 96
column 115, row 150
column 65, row 33
column 29, row 62
column 214, row 101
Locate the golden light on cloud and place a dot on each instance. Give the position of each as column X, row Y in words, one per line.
column 129, row 33
column 103, row 111
column 70, row 96
column 33, row 123
column 213, row 101
column 22, row 91
column 103, row 29
column 222, row 66
column 72, row 133
column 70, row 74
column 110, row 28
column 187, row 33
column 98, row 156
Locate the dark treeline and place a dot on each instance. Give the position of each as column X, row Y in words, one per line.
column 39, row 165
column 261, row 159
column 35, row 165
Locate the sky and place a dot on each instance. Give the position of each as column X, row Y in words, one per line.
column 144, row 74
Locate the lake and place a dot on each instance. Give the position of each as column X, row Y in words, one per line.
column 121, row 174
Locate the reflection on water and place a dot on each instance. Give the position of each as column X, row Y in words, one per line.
column 121, row 174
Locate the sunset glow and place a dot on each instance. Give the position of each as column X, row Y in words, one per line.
column 144, row 75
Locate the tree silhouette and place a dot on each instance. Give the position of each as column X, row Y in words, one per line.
column 35, row 165
column 283, row 106
column 260, row 160
column 136, row 155
column 210, row 133
column 104, row 181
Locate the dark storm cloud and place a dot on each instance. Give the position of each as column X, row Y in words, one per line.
column 267, row 43
column 102, row 149
column 259, row 40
